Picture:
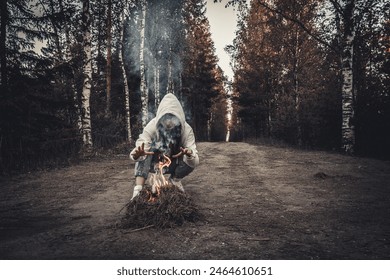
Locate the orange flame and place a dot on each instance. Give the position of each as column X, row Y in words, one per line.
column 158, row 180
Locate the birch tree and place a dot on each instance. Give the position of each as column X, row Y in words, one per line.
column 346, row 8
column 87, row 84
column 109, row 58
column 156, row 82
column 123, row 68
column 349, row 12
column 143, row 85
column 348, row 111
column 200, row 84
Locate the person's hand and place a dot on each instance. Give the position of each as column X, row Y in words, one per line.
column 183, row 151
column 140, row 151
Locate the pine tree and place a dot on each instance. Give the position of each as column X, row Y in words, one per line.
column 278, row 72
column 36, row 112
column 200, row 66
column 371, row 76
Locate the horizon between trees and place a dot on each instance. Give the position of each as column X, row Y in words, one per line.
column 309, row 73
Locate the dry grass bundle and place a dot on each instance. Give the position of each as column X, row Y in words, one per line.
column 171, row 208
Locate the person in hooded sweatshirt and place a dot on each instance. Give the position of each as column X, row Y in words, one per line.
column 169, row 134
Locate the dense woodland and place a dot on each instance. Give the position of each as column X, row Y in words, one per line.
column 310, row 73
column 313, row 74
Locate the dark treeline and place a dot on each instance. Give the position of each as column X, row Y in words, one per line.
column 102, row 70
column 313, row 73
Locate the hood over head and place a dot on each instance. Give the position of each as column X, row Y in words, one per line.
column 170, row 104
column 170, row 124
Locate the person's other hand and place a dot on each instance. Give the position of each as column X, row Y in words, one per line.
column 183, row 151
column 140, row 151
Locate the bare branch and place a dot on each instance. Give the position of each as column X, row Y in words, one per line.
column 338, row 7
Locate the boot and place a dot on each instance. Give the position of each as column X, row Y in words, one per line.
column 137, row 190
column 177, row 183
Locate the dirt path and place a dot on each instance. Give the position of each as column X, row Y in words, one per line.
column 259, row 202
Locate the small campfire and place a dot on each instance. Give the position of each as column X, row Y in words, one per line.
column 160, row 205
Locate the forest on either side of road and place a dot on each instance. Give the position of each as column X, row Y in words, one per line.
column 312, row 74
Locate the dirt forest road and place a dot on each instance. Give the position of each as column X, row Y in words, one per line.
column 258, row 202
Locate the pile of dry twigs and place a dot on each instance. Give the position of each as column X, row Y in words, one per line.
column 171, row 208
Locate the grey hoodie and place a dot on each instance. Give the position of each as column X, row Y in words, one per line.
column 169, row 104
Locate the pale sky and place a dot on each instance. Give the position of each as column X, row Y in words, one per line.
column 222, row 26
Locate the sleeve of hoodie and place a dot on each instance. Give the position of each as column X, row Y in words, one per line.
column 189, row 142
column 146, row 137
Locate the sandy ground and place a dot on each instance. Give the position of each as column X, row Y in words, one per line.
column 258, row 202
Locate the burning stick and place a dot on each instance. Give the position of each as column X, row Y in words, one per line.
column 160, row 205
column 158, row 178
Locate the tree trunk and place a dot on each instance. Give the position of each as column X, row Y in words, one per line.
column 125, row 82
column 348, row 127
column 180, row 89
column 109, row 59
column 296, row 88
column 209, row 124
column 87, row 69
column 143, row 86
column 56, row 33
column 3, row 48
column 269, row 124
column 68, row 57
column 156, row 83
column 170, row 79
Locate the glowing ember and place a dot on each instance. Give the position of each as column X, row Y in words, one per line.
column 157, row 179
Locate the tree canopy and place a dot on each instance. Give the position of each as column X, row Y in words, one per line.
column 81, row 76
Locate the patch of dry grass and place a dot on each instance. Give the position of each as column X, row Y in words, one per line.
column 171, row 208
